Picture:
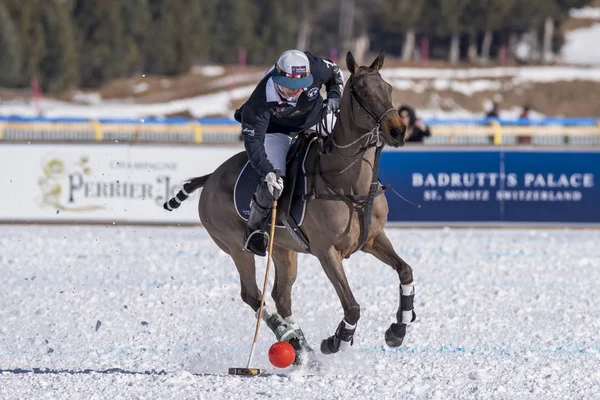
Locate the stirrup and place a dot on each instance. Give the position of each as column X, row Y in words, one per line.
column 257, row 243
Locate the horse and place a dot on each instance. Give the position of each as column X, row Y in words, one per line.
column 347, row 213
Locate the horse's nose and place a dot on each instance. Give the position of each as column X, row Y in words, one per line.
column 396, row 132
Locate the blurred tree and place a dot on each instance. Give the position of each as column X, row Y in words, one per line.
column 235, row 27
column 10, row 50
column 99, row 30
column 170, row 46
column 136, row 23
column 309, row 11
column 452, row 24
column 497, row 14
column 202, row 28
column 403, row 16
column 61, row 42
column 279, row 31
column 46, row 43
column 58, row 65
column 24, row 15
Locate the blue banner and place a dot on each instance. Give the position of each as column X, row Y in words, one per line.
column 492, row 186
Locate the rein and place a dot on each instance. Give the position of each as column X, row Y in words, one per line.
column 359, row 202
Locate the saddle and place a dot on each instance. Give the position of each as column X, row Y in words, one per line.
column 292, row 203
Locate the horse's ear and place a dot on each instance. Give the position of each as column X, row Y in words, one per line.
column 351, row 63
column 378, row 62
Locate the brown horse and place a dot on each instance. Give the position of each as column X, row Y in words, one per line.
column 334, row 221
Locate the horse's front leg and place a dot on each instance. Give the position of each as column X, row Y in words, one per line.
column 282, row 323
column 381, row 248
column 331, row 261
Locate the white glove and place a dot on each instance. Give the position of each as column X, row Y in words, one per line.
column 274, row 184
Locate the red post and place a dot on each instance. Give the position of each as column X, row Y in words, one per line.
column 425, row 48
column 37, row 95
column 243, row 59
column 503, row 55
column 333, row 54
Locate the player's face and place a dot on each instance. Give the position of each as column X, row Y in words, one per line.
column 289, row 92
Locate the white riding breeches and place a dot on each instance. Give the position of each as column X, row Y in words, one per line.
column 276, row 147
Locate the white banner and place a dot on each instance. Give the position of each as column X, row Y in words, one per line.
column 102, row 182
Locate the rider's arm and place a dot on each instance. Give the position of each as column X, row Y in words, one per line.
column 329, row 73
column 255, row 120
column 334, row 83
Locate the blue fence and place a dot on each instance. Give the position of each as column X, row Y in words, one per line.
column 493, row 186
column 550, row 121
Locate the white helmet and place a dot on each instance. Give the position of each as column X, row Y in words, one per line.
column 292, row 70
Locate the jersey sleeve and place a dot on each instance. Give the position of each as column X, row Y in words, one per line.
column 255, row 120
column 330, row 74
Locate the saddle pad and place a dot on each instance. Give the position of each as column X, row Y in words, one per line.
column 248, row 181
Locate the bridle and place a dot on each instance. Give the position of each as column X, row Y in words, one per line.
column 371, row 114
column 374, row 133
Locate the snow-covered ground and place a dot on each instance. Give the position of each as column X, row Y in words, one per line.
column 502, row 314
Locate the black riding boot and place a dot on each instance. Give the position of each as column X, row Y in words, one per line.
column 256, row 239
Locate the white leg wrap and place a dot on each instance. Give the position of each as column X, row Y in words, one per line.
column 286, row 334
column 407, row 290
column 348, row 326
column 292, row 322
column 265, row 313
column 343, row 344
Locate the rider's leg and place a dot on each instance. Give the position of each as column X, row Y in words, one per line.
column 276, row 147
column 256, row 239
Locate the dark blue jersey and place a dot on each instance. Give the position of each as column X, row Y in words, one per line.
column 266, row 111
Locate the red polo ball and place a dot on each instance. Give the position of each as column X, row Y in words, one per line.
column 282, row 354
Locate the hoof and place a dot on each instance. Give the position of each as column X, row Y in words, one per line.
column 394, row 336
column 328, row 346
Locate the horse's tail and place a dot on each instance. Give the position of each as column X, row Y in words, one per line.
column 188, row 188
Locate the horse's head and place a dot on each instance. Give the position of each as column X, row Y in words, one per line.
column 374, row 96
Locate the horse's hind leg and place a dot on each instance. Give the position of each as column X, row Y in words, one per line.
column 381, row 247
column 244, row 263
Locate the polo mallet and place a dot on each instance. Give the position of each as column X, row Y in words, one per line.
column 257, row 371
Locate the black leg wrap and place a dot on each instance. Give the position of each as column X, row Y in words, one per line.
column 343, row 337
column 395, row 334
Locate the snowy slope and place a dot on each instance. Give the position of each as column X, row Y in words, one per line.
column 581, row 45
